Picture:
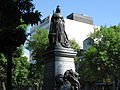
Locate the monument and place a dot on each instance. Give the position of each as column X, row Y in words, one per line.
column 59, row 58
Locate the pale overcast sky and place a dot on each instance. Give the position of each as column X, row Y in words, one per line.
column 103, row 12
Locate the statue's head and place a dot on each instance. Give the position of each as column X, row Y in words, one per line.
column 58, row 10
column 57, row 14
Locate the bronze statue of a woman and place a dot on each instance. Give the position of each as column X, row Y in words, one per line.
column 57, row 34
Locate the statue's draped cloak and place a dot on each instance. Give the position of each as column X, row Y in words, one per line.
column 57, row 34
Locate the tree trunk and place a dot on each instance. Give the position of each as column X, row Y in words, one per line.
column 9, row 70
column 3, row 86
column 116, row 86
column 107, row 86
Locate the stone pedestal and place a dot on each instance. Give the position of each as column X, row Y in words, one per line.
column 57, row 61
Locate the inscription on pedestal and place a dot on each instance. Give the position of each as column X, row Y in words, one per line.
column 62, row 64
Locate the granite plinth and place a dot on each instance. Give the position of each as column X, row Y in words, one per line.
column 57, row 61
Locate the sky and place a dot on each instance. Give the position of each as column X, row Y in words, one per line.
column 103, row 12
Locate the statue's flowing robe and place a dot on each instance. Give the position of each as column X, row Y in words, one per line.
column 57, row 32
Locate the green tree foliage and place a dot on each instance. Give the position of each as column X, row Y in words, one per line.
column 35, row 77
column 14, row 13
column 2, row 70
column 37, row 45
column 18, row 52
column 74, row 45
column 2, row 67
column 20, row 69
column 20, row 72
column 103, row 57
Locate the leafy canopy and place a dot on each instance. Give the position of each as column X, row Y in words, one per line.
column 103, row 57
column 37, row 45
column 20, row 69
column 13, row 14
